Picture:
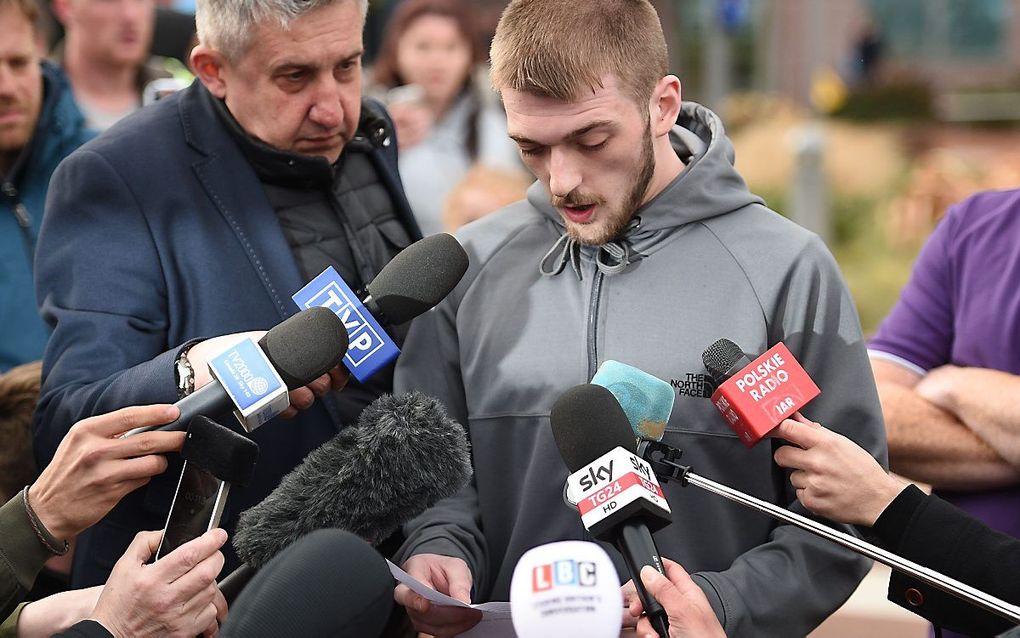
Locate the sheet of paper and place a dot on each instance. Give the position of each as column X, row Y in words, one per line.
column 495, row 621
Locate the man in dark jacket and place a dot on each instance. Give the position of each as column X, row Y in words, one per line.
column 39, row 126
column 200, row 216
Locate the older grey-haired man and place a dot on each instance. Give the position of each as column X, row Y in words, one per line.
column 200, row 216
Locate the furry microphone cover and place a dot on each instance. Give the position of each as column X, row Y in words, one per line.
column 403, row 456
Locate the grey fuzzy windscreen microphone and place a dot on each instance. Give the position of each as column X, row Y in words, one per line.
column 417, row 278
column 722, row 359
column 403, row 456
column 587, row 421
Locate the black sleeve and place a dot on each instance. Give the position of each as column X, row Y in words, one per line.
column 933, row 533
column 85, row 629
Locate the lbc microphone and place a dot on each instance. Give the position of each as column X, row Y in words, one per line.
column 755, row 396
column 569, row 588
column 616, row 492
column 329, row 583
column 403, row 456
column 416, row 279
column 295, row 352
column 646, row 400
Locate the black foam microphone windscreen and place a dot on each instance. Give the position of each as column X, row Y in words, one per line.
column 418, row 277
column 404, row 454
column 587, row 421
column 329, row 583
column 306, row 346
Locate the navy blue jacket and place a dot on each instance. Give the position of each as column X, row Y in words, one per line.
column 158, row 233
column 60, row 130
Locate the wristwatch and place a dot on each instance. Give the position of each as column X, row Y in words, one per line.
column 184, row 373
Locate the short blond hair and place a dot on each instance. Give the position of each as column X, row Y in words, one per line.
column 563, row 48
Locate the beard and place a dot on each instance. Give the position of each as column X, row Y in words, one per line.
column 614, row 221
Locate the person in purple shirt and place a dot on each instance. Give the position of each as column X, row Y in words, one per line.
column 947, row 362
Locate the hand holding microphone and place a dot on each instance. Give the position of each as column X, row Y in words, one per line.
column 833, row 476
column 690, row 613
column 301, row 397
column 256, row 376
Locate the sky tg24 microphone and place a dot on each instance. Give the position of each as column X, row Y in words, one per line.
column 616, row 492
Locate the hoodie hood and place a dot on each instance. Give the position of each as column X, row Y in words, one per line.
column 709, row 186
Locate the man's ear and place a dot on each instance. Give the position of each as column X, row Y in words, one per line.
column 207, row 63
column 664, row 107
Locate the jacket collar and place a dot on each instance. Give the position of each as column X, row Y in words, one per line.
column 237, row 194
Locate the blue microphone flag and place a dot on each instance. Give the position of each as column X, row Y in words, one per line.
column 371, row 348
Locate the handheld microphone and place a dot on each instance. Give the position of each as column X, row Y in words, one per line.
column 403, row 456
column 298, row 350
column 214, row 458
column 646, row 400
column 755, row 396
column 329, row 583
column 616, row 492
column 416, row 279
column 569, row 588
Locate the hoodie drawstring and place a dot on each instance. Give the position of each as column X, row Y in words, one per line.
column 612, row 257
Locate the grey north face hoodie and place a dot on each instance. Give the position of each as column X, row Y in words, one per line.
column 536, row 314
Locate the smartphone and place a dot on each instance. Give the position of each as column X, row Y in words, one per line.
column 196, row 509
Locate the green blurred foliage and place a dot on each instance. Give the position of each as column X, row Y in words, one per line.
column 875, row 269
column 905, row 100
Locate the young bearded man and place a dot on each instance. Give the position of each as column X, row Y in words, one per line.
column 639, row 242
